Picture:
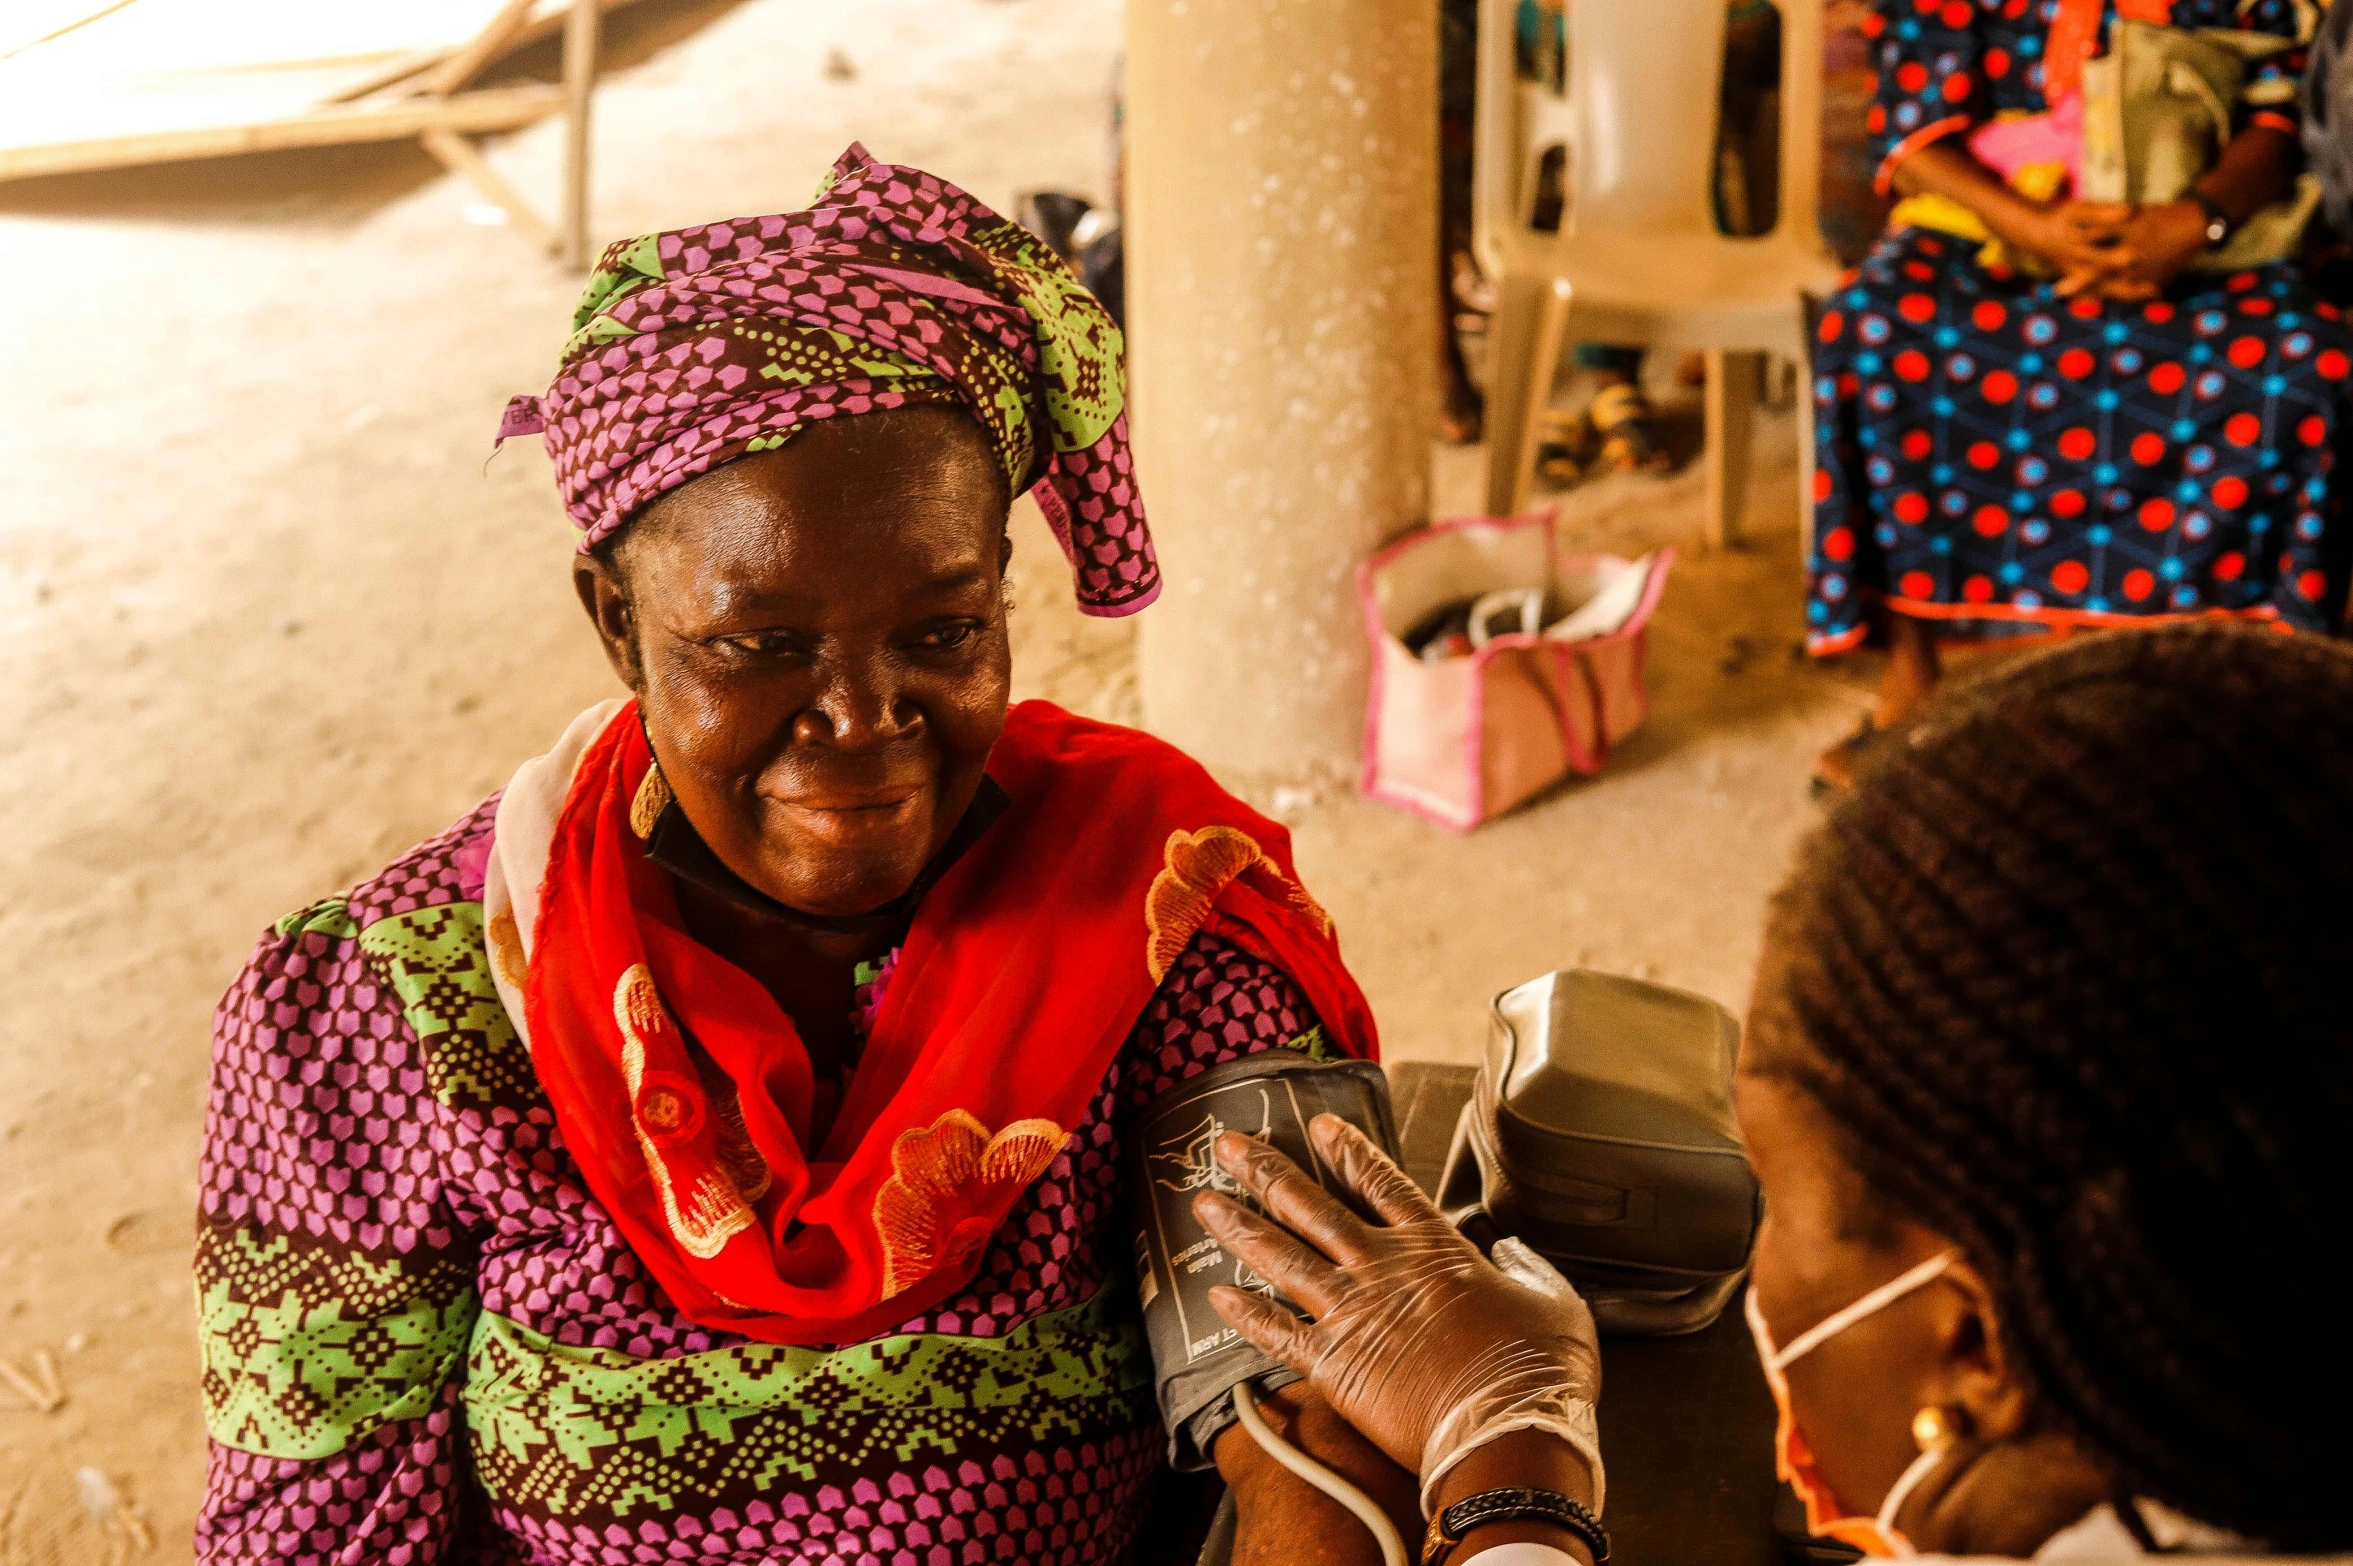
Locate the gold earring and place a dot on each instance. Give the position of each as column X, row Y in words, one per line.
column 1935, row 1428
column 653, row 797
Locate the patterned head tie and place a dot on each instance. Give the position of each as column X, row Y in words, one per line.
column 895, row 289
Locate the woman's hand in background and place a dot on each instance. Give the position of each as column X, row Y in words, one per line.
column 2143, row 250
column 2078, row 240
column 1417, row 1340
column 2158, row 244
column 2088, row 244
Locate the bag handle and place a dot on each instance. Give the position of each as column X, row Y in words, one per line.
column 1527, row 602
column 1567, row 654
column 2185, row 81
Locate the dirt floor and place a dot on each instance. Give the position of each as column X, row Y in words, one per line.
column 267, row 616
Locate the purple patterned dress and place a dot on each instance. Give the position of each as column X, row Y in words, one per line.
column 425, row 1342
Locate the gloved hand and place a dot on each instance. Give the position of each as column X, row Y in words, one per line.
column 1420, row 1342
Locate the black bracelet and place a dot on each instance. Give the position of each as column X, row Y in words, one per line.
column 1512, row 1505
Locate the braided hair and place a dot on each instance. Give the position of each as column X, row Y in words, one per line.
column 2071, row 972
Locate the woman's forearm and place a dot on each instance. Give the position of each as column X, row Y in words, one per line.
column 1946, row 168
column 2257, row 168
column 1280, row 1519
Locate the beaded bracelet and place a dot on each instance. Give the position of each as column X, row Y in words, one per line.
column 1512, row 1505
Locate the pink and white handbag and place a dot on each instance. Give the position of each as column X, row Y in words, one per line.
column 1546, row 675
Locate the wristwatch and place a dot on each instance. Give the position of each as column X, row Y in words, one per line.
column 1512, row 1505
column 2218, row 224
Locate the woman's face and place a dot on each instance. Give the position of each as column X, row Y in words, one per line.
column 817, row 639
column 1823, row 1245
column 2006, row 1484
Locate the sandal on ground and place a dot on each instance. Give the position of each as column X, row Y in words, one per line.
column 1868, row 735
column 1627, row 426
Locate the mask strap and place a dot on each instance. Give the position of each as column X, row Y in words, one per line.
column 2128, row 1512
column 1878, row 1299
column 1898, row 1494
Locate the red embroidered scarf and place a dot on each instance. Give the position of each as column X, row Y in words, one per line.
column 1023, row 972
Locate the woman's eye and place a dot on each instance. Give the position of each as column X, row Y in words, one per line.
column 764, row 644
column 947, row 638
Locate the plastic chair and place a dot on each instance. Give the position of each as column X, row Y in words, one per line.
column 1638, row 258
column 1545, row 123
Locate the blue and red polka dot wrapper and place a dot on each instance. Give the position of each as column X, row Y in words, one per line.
column 1987, row 451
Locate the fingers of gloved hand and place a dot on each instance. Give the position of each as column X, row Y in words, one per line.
column 1271, row 1252
column 1291, row 1197
column 1520, row 1263
column 1369, row 1172
column 1254, row 1164
column 1274, row 1331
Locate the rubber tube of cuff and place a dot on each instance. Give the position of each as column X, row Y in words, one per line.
column 1384, row 1531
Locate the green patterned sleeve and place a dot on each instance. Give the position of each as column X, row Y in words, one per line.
column 335, row 1285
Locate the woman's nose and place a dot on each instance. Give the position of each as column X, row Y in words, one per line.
column 857, row 709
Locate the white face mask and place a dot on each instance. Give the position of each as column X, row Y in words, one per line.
column 1793, row 1459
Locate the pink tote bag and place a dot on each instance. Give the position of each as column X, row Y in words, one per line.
column 1463, row 739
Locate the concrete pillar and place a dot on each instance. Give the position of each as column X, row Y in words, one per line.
column 1282, row 296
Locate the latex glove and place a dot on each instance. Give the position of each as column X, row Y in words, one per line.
column 1426, row 1346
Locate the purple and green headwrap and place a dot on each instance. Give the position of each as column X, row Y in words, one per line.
column 894, row 289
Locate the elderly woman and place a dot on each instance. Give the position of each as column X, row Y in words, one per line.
column 708, row 1147
column 2130, row 436
column 2047, row 1080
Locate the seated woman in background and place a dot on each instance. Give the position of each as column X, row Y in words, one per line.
column 2046, row 1082
column 709, row 1146
column 2127, row 440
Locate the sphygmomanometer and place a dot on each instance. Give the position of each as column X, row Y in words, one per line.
column 1209, row 1377
column 1600, row 1134
column 1198, row 1359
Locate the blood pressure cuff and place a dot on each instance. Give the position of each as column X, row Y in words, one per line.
column 1197, row 1359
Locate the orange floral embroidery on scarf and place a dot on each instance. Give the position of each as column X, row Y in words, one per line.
column 667, row 1110
column 950, row 1184
column 1199, row 866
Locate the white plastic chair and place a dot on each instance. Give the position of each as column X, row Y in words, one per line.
column 1544, row 123
column 1638, row 258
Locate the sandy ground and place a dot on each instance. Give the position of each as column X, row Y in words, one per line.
column 267, row 617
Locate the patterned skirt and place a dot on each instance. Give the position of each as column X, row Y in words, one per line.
column 1999, row 459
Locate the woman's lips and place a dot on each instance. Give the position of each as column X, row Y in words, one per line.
column 849, row 804
column 841, row 818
